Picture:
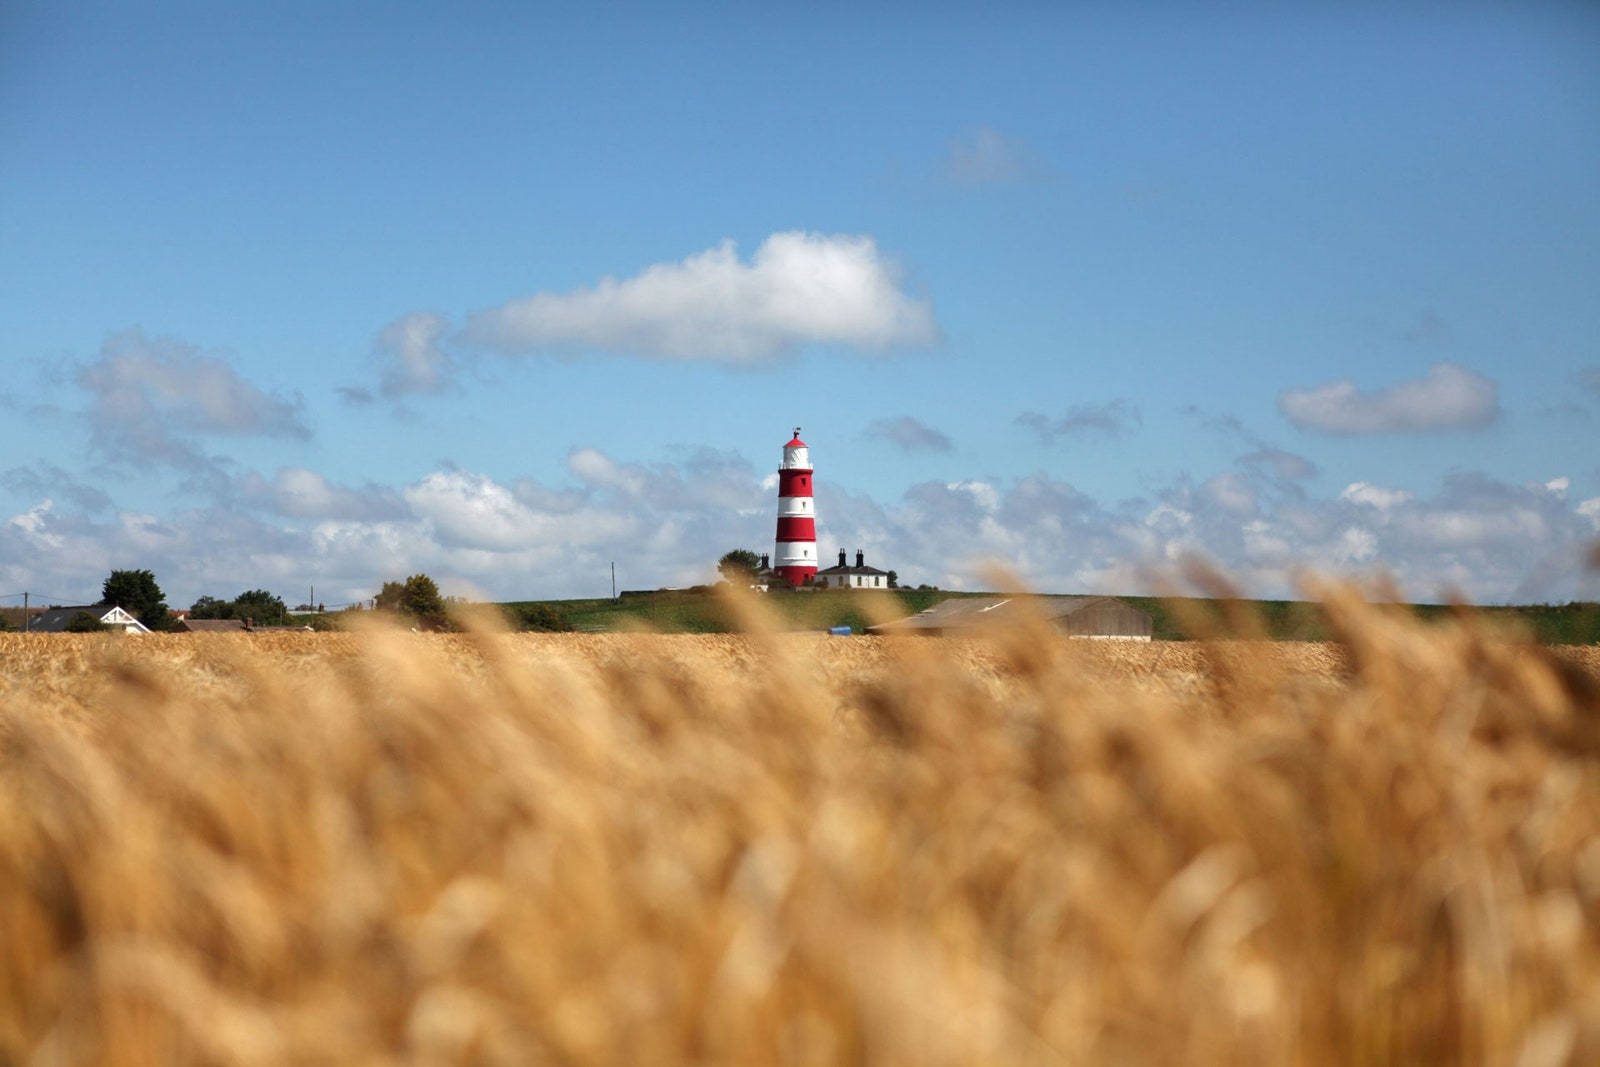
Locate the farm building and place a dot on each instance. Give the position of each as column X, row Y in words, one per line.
column 56, row 620
column 1075, row 616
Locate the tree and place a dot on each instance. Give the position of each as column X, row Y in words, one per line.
column 137, row 593
column 257, row 605
column 84, row 623
column 261, row 607
column 894, row 580
column 209, row 607
column 545, row 618
column 738, row 566
column 418, row 596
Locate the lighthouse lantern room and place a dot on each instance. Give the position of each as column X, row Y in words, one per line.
column 795, row 558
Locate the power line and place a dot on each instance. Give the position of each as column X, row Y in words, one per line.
column 48, row 598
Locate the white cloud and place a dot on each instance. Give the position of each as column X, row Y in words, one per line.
column 32, row 521
column 305, row 494
column 982, row 493
column 149, row 400
column 473, row 511
column 912, row 435
column 798, row 289
column 1355, row 545
column 1231, row 492
column 414, row 362
column 47, row 478
column 1285, row 465
column 665, row 524
column 1374, row 495
column 1558, row 486
column 1116, row 419
column 599, row 470
column 985, row 156
column 1449, row 397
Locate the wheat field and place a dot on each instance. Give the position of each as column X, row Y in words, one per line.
column 396, row 848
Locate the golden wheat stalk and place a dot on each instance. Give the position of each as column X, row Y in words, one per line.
column 780, row 848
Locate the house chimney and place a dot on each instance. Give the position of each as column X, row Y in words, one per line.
column 841, row 557
column 858, row 559
column 764, row 561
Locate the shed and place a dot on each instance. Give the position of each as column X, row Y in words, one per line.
column 1076, row 616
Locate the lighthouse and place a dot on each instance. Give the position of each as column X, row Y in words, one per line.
column 795, row 560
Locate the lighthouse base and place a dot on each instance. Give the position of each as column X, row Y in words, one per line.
column 794, row 576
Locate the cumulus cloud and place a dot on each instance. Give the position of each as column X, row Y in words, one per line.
column 912, row 435
column 47, row 479
column 1375, row 496
column 473, row 511
column 150, row 399
column 1116, row 419
column 1448, row 397
column 1287, row 466
column 1232, row 492
column 413, row 359
column 299, row 493
column 985, row 156
column 798, row 289
column 1492, row 540
column 664, row 524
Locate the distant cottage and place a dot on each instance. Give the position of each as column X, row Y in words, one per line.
column 56, row 620
column 860, row 576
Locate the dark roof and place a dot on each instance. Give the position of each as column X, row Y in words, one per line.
column 852, row 570
column 54, row 620
column 966, row 613
column 202, row 626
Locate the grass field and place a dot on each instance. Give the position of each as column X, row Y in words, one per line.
column 789, row 849
column 682, row 611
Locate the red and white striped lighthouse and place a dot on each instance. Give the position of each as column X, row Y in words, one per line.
column 795, row 560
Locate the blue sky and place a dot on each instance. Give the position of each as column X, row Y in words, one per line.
column 296, row 294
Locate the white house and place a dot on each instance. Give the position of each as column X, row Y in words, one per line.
column 860, row 576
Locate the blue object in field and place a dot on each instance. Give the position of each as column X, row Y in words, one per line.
column 839, row 631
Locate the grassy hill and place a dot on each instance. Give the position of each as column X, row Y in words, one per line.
column 696, row 611
column 701, row 612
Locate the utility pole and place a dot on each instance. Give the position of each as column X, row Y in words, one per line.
column 26, row 620
column 613, row 579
